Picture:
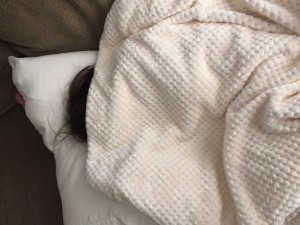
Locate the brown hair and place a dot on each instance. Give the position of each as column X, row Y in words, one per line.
column 76, row 108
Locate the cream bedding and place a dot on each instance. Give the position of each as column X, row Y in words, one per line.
column 193, row 112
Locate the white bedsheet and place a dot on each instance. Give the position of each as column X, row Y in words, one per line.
column 80, row 202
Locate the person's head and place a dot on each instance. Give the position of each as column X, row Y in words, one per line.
column 76, row 107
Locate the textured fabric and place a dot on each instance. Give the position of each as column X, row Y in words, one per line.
column 193, row 111
column 7, row 89
column 39, row 27
column 28, row 188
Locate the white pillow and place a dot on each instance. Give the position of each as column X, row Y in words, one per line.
column 44, row 83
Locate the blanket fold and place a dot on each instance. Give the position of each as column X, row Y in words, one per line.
column 193, row 112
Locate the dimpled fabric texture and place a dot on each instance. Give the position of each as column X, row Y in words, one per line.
column 193, row 114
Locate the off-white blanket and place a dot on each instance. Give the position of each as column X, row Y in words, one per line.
column 193, row 114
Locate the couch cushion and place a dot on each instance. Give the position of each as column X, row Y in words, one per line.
column 7, row 89
column 39, row 27
column 28, row 188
